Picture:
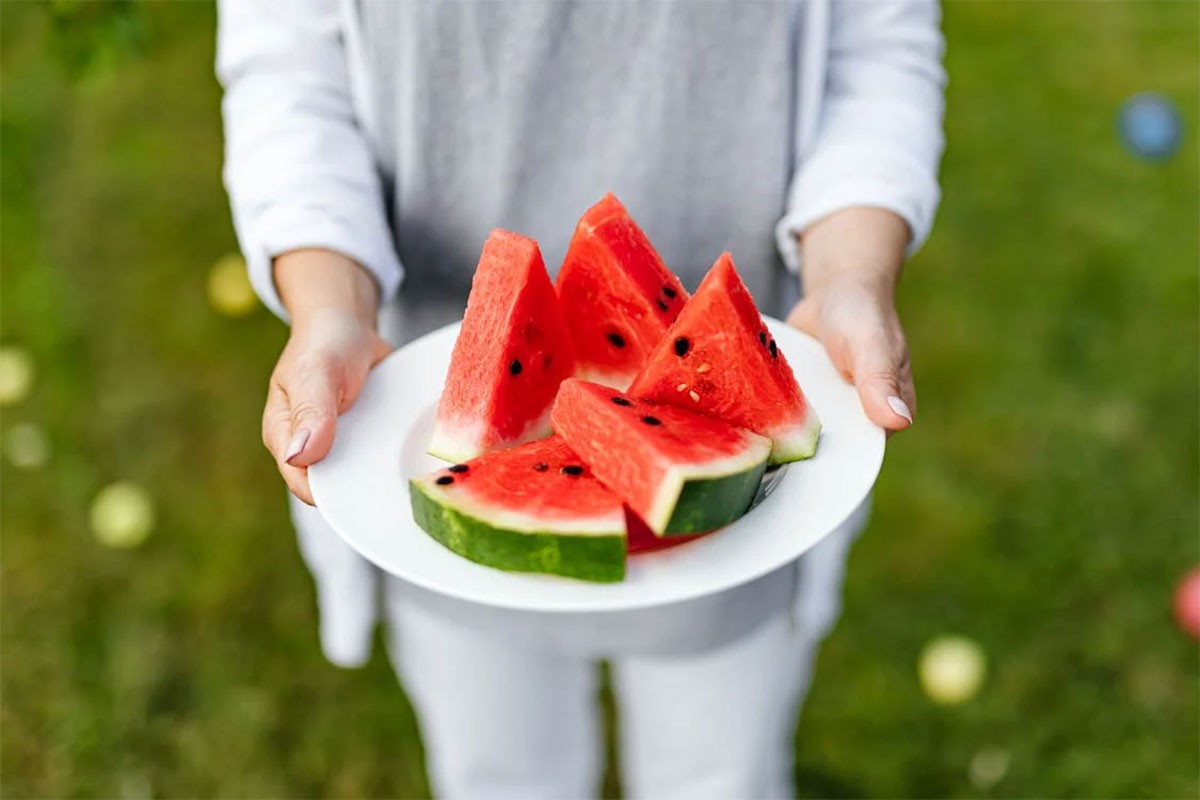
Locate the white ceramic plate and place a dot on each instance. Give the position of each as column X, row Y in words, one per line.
column 362, row 489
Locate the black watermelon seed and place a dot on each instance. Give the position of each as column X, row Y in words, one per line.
column 515, row 367
column 616, row 340
column 774, row 350
column 652, row 420
column 669, row 292
column 572, row 469
column 541, row 466
column 445, row 480
column 459, row 468
column 621, row 401
column 681, row 346
column 762, row 338
column 661, row 305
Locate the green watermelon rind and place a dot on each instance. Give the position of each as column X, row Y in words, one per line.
column 598, row 557
column 797, row 442
column 709, row 503
column 694, row 498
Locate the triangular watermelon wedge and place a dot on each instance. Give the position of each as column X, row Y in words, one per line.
column 720, row 359
column 512, row 352
column 680, row 471
column 617, row 295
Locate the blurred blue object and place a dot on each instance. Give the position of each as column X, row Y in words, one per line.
column 1150, row 126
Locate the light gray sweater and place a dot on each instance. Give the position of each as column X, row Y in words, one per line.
column 402, row 132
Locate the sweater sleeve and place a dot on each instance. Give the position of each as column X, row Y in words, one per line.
column 298, row 168
column 879, row 136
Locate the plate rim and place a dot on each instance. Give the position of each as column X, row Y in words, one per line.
column 522, row 604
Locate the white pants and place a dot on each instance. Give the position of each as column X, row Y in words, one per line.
column 507, row 702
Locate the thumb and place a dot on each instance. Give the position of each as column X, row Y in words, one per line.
column 878, row 376
column 313, row 406
column 803, row 316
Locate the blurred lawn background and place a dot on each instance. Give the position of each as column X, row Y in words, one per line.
column 1044, row 505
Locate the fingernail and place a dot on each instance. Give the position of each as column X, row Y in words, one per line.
column 296, row 445
column 900, row 407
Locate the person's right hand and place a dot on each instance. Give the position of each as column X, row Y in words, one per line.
column 333, row 345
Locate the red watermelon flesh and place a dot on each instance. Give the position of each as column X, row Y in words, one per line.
column 720, row 359
column 512, row 352
column 680, row 471
column 617, row 295
column 532, row 508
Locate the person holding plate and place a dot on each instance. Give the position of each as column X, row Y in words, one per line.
column 370, row 147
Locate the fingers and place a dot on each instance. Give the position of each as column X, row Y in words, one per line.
column 321, row 371
column 908, row 391
column 378, row 349
column 857, row 324
column 277, row 433
column 883, row 377
column 299, row 422
column 296, row 479
column 312, row 396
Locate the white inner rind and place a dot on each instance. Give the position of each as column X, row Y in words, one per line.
column 462, row 440
column 757, row 448
column 797, row 442
column 612, row 380
column 456, row 443
column 465, row 502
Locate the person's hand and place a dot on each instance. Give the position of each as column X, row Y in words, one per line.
column 333, row 345
column 858, row 325
column 851, row 263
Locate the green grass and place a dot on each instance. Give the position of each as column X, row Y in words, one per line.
column 1044, row 504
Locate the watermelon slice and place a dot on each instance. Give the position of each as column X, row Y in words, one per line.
column 511, row 354
column 678, row 470
column 720, row 359
column 617, row 295
column 534, row 508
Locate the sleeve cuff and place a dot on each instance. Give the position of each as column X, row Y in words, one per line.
column 276, row 231
column 826, row 185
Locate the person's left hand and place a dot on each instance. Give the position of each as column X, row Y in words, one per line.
column 852, row 261
column 858, row 325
